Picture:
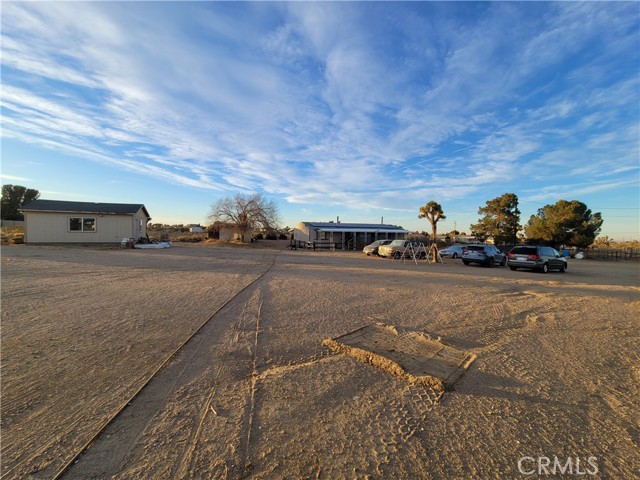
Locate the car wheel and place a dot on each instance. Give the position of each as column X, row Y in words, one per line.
column 396, row 255
column 513, row 268
column 545, row 268
column 466, row 262
column 455, row 255
column 562, row 268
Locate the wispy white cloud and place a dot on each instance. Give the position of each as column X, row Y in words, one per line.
column 327, row 103
column 14, row 178
column 553, row 193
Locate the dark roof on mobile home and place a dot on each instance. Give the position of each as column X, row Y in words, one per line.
column 84, row 207
column 355, row 227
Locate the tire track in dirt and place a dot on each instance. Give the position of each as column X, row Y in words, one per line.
column 105, row 452
column 185, row 468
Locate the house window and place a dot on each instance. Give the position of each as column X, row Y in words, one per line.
column 82, row 224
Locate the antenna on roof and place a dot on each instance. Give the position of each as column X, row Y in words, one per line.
column 381, row 220
column 338, row 219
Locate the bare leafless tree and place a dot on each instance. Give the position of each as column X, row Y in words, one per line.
column 246, row 212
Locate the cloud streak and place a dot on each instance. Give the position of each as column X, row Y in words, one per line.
column 329, row 103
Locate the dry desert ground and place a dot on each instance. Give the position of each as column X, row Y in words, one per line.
column 206, row 362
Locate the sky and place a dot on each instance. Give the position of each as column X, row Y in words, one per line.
column 359, row 110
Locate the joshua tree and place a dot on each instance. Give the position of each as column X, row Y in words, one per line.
column 432, row 211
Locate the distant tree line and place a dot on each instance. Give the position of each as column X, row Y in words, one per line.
column 563, row 223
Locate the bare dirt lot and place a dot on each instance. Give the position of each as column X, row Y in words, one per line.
column 254, row 394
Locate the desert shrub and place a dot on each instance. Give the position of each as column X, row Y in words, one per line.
column 258, row 236
column 283, row 236
column 189, row 239
column 13, row 230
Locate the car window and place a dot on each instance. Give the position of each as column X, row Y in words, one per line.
column 524, row 250
column 398, row 243
column 477, row 248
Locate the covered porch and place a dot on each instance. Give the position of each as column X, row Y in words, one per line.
column 346, row 236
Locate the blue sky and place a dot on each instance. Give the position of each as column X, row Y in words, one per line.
column 350, row 109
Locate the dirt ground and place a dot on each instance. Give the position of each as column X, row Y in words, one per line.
column 254, row 394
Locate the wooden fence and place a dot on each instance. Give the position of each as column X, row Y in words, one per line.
column 611, row 253
column 317, row 245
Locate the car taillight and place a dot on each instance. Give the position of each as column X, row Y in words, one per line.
column 512, row 255
column 533, row 257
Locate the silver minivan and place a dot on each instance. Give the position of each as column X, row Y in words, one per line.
column 536, row 257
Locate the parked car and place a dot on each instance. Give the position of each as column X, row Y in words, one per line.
column 454, row 251
column 536, row 257
column 397, row 248
column 372, row 249
column 487, row 255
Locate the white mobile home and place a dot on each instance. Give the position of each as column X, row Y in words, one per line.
column 54, row 221
column 348, row 236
